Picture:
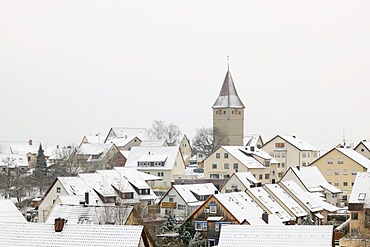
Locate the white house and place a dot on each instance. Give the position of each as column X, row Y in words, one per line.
column 240, row 181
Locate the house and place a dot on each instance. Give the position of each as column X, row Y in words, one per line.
column 359, row 206
column 61, row 233
column 240, row 181
column 363, row 148
column 185, row 149
column 288, row 203
column 303, row 198
column 94, row 214
column 311, row 180
column 96, row 156
column 229, row 159
column 164, row 162
column 290, row 151
column 339, row 167
column 120, row 186
column 183, row 200
column 91, row 139
column 29, row 149
column 10, row 213
column 124, row 132
column 253, row 140
column 278, row 236
column 12, row 162
column 270, row 205
column 231, row 208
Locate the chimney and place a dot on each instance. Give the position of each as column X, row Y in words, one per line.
column 265, row 217
column 59, row 224
column 86, row 198
column 216, row 191
column 298, row 168
column 30, row 142
column 294, row 136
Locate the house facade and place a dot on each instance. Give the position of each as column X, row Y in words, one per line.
column 339, row 167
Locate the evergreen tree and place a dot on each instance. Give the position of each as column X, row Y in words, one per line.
column 197, row 240
column 170, row 223
column 41, row 171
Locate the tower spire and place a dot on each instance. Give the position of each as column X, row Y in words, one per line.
column 228, row 63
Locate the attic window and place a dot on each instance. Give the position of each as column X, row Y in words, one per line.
column 361, row 196
column 279, row 145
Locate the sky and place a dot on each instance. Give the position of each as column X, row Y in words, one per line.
column 75, row 68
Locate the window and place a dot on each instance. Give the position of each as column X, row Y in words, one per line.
column 267, row 176
column 224, row 112
column 213, row 208
column 226, row 176
column 29, row 158
column 304, row 155
column 282, row 165
column 226, row 166
column 214, row 166
column 214, row 176
column 260, row 176
column 345, row 172
column 340, row 161
column 362, row 150
column 236, row 166
column 280, row 174
column 267, row 163
column 218, row 155
column 279, row 145
column 328, row 172
column 330, row 161
column 226, row 155
column 277, row 155
column 219, row 112
column 345, row 183
column 282, row 154
column 217, row 227
column 170, row 199
column 336, row 183
column 354, row 172
column 354, row 216
column 180, row 207
column 58, row 190
column 336, row 172
column 160, row 174
column 200, row 225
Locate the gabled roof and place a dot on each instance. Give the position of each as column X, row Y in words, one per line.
column 277, row 236
column 10, row 213
column 361, row 190
column 13, row 160
column 137, row 153
column 321, row 201
column 297, row 143
column 244, row 208
column 313, row 180
column 285, row 198
column 121, row 142
column 238, row 152
column 90, row 214
column 246, row 178
column 260, row 194
column 365, row 143
column 252, row 140
column 154, row 143
column 56, row 153
column 32, row 234
column 124, row 132
column 301, row 195
column 187, row 191
column 228, row 97
column 16, row 147
column 355, row 156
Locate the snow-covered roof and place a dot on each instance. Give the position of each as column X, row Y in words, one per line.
column 246, row 178
column 260, row 153
column 187, row 191
column 121, row 142
column 124, row 132
column 277, row 236
column 94, row 148
column 154, row 143
column 228, row 97
column 89, row 214
column 31, row 234
column 298, row 143
column 252, row 140
column 260, row 194
column 358, row 158
column 244, row 159
column 13, row 160
column 313, row 180
column 152, row 158
column 285, row 198
column 10, row 213
column 321, row 201
column 361, row 190
column 243, row 207
column 301, row 195
column 19, row 147
column 137, row 153
column 56, row 153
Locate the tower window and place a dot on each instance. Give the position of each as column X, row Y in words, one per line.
column 224, row 112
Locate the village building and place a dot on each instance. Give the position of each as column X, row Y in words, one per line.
column 278, row 236
column 231, row 208
column 29, row 149
column 310, row 179
column 359, row 207
column 185, row 149
column 363, row 148
column 290, row 151
column 227, row 160
column 164, row 162
column 240, row 181
column 228, row 115
column 253, row 140
column 339, row 167
column 183, row 200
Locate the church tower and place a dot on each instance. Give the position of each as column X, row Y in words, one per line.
column 228, row 115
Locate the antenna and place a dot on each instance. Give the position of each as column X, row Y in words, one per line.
column 228, row 62
column 344, row 138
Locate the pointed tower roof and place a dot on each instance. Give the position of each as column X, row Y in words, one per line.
column 228, row 97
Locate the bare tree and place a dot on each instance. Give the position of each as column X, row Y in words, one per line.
column 161, row 130
column 204, row 141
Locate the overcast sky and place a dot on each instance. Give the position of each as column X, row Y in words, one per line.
column 74, row 68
